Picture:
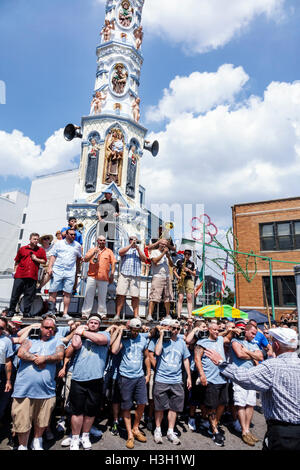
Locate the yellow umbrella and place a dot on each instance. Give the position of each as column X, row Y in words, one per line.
column 219, row 311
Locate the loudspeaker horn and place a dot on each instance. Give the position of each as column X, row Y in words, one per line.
column 71, row 132
column 153, row 148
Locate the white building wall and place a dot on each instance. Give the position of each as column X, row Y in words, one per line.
column 49, row 196
column 12, row 205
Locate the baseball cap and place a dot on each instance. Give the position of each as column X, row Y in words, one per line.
column 135, row 323
column 165, row 322
column 240, row 324
column 17, row 319
column 107, row 191
column 286, row 336
column 174, row 323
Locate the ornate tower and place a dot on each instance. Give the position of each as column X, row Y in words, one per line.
column 112, row 138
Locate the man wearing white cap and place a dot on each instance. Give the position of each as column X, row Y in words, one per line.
column 278, row 380
column 132, row 381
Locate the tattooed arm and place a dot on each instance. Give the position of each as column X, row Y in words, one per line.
column 23, row 352
column 56, row 357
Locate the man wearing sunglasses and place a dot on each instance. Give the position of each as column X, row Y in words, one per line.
column 168, row 390
column 34, row 389
column 64, row 265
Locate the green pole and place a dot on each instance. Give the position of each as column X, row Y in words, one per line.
column 271, row 286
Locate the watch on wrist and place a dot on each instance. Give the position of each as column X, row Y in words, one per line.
column 221, row 362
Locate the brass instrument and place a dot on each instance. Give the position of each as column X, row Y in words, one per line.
column 183, row 273
column 79, row 226
column 166, row 232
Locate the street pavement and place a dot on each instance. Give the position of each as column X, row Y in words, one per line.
column 190, row 441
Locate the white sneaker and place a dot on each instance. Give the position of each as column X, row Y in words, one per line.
column 95, row 432
column 102, row 315
column 22, row 447
column 74, row 444
column 192, row 424
column 66, row 442
column 37, row 444
column 149, row 318
column 173, row 438
column 158, row 437
column 86, row 443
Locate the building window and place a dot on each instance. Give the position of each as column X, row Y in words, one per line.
column 284, row 288
column 24, row 218
column 277, row 236
column 21, row 234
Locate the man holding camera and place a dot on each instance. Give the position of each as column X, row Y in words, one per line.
column 161, row 286
column 246, row 354
column 27, row 263
column 216, row 391
column 34, row 390
column 91, row 349
column 129, row 278
column 170, row 353
column 132, row 381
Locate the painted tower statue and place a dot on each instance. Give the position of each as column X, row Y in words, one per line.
column 112, row 138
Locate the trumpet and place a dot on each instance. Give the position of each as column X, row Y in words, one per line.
column 166, row 232
column 80, row 226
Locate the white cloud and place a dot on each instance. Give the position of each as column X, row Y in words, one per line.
column 199, row 92
column 22, row 157
column 245, row 151
column 202, row 25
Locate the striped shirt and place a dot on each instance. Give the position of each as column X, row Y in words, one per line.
column 278, row 380
column 131, row 263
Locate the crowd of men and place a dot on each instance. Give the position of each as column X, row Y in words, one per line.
column 210, row 370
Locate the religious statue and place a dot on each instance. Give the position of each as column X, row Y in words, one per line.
column 119, row 79
column 96, row 104
column 136, row 109
column 92, row 167
column 114, row 156
column 138, row 34
column 125, row 14
column 131, row 172
column 107, row 29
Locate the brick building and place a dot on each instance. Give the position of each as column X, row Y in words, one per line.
column 271, row 229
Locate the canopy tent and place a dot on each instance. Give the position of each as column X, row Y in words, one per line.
column 259, row 317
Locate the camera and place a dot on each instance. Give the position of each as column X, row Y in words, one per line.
column 126, row 334
column 34, row 333
column 201, row 334
column 241, row 336
column 167, row 334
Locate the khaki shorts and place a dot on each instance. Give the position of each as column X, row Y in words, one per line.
column 26, row 411
column 188, row 287
column 128, row 285
column 161, row 290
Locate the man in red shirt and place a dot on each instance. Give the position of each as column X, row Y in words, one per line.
column 27, row 263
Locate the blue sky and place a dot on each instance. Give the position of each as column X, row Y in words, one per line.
column 48, row 64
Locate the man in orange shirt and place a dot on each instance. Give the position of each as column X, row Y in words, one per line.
column 101, row 259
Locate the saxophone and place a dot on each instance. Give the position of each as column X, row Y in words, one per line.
column 180, row 283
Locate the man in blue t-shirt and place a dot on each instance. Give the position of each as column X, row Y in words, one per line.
column 72, row 225
column 262, row 341
column 215, row 385
column 132, row 381
column 168, row 389
column 6, row 354
column 91, row 348
column 245, row 353
column 34, row 390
